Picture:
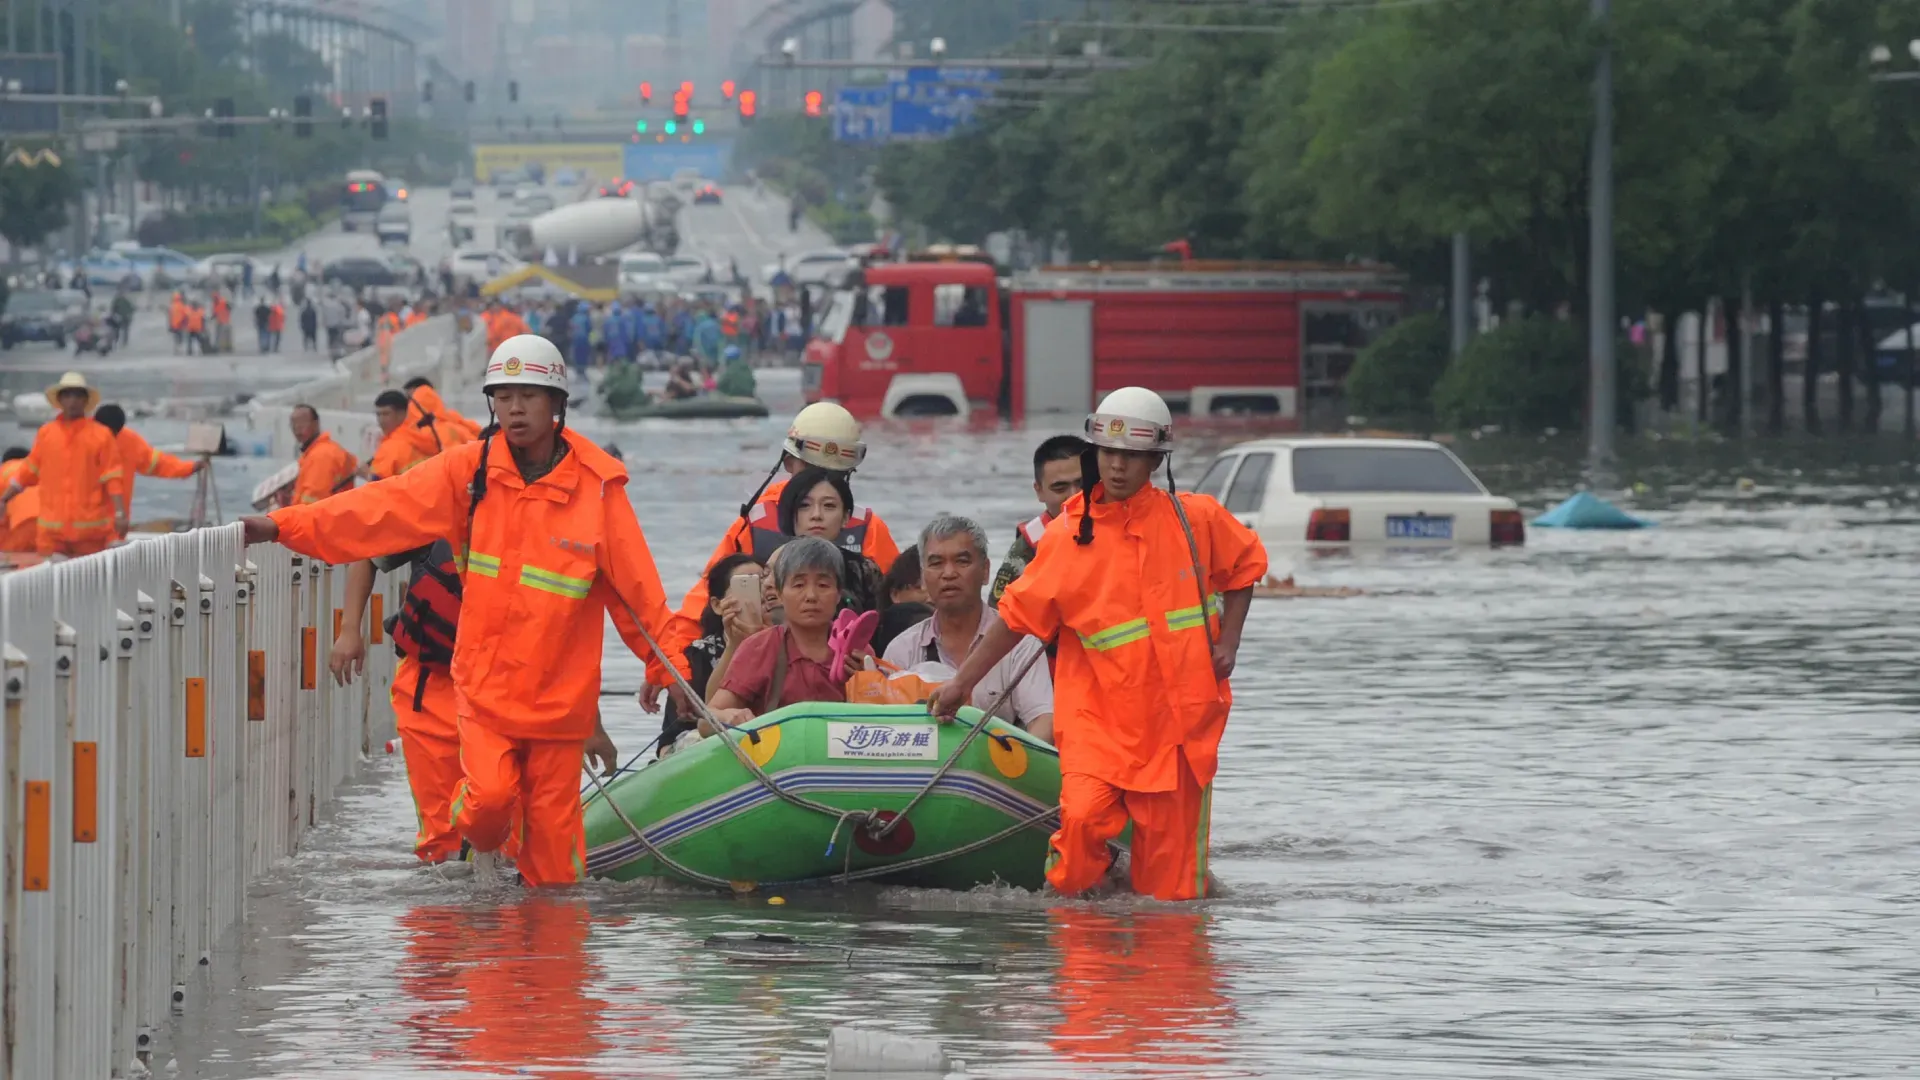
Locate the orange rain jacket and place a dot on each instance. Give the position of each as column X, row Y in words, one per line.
column 434, row 427
column 22, row 527
column 77, row 465
column 138, row 456
column 325, row 469
column 877, row 544
column 1133, row 684
column 397, row 453
column 503, row 324
column 543, row 561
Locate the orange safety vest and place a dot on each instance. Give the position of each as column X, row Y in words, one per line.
column 22, row 527
column 390, row 322
column 325, row 469
column 196, row 319
column 277, row 318
column 1133, row 682
column 543, row 564
column 177, row 314
column 76, row 465
column 876, row 543
column 138, row 456
column 221, row 312
column 397, row 452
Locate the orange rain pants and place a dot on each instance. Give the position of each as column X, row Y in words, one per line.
column 540, row 776
column 1139, row 985
column 430, row 738
column 1170, row 835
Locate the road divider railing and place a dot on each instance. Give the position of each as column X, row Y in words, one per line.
column 171, row 734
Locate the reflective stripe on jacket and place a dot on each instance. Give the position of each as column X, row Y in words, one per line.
column 543, row 562
column 76, row 465
column 325, row 469
column 1133, row 684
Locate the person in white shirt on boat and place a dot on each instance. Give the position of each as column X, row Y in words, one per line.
column 953, row 571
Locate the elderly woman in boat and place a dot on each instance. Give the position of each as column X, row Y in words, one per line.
column 791, row 662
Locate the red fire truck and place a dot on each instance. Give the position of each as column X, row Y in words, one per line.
column 944, row 336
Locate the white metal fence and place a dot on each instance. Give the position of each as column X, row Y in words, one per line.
column 171, row 733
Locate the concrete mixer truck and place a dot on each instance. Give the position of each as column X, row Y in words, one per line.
column 594, row 227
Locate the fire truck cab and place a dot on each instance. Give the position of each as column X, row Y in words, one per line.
column 946, row 336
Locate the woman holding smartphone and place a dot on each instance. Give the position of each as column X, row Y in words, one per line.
column 736, row 611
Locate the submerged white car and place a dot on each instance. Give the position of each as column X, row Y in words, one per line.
column 1337, row 493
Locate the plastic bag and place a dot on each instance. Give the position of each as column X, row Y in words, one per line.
column 880, row 683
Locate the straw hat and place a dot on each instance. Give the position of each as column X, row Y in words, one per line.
column 73, row 380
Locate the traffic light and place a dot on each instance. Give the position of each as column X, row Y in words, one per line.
column 749, row 105
column 303, row 117
column 815, row 102
column 378, row 117
column 639, row 127
column 686, row 90
column 646, row 93
column 469, row 91
column 699, row 127
column 223, row 110
column 672, row 127
column 513, row 90
column 726, row 89
column 681, row 105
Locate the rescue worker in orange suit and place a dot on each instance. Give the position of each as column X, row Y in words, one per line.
column 325, row 466
column 424, row 709
column 549, row 542
column 222, row 324
column 399, row 448
column 1131, row 579
column 177, row 320
column 503, row 323
column 20, row 526
column 435, row 426
column 76, row 465
column 138, row 456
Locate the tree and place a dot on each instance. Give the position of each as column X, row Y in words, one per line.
column 35, row 199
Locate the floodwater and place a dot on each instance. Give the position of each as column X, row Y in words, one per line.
column 1629, row 805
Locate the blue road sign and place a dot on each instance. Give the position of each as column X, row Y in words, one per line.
column 929, row 103
column 861, row 114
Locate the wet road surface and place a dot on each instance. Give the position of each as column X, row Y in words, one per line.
column 1614, row 805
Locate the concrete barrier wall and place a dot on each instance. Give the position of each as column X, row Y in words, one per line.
column 171, row 733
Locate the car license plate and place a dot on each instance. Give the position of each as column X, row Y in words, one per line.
column 1419, row 528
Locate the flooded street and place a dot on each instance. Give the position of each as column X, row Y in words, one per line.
column 1628, row 805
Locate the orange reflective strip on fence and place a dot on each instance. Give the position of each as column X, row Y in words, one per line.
column 196, row 717
column 256, row 684
column 339, row 617
column 86, row 792
column 38, row 840
column 306, row 657
column 379, row 632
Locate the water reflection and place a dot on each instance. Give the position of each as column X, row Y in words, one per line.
column 1139, row 985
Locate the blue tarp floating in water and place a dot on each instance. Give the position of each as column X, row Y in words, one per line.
column 1588, row 511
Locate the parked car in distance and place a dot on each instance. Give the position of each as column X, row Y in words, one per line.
column 151, row 261
column 1336, row 494
column 41, row 315
column 461, row 188
column 688, row 269
column 111, row 269
column 644, row 271
column 822, row 267
column 229, row 269
column 480, row 264
column 359, row 272
column 708, row 195
column 506, row 180
column 565, row 178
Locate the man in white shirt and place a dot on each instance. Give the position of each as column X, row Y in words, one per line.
column 953, row 570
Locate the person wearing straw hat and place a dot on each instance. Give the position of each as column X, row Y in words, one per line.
column 76, row 465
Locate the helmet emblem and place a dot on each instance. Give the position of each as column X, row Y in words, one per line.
column 513, row 366
column 1115, row 427
column 832, row 449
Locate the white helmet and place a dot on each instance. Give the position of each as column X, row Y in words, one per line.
column 526, row 360
column 827, row 435
column 1131, row 418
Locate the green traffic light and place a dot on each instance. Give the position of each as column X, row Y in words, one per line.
column 640, row 127
column 699, row 127
column 672, row 127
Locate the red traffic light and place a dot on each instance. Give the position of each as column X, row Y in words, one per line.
column 646, row 91
column 726, row 89
column 686, row 89
column 814, row 101
column 749, row 102
column 680, row 105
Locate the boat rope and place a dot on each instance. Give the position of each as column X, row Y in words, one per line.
column 662, row 857
column 986, row 717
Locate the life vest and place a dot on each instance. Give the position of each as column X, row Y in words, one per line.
column 763, row 528
column 1031, row 531
column 429, row 614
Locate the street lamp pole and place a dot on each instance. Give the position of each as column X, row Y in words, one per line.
column 1602, row 320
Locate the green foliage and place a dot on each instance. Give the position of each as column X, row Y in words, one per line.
column 1393, row 378
column 35, row 199
column 1527, row 374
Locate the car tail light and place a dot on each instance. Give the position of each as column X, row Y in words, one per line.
column 1507, row 528
column 1330, row 527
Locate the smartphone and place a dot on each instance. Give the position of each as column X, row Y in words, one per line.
column 744, row 588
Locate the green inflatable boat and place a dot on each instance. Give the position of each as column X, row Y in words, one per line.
column 841, row 772
column 710, row 407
